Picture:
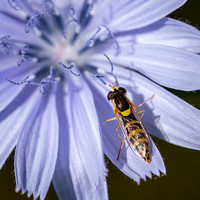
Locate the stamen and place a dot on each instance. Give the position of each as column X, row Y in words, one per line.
column 70, row 68
column 100, row 77
column 18, row 83
column 6, row 47
column 25, row 49
column 32, row 21
column 24, row 57
column 42, row 84
column 91, row 41
column 111, row 71
column 113, row 37
column 71, row 13
column 4, row 38
column 111, row 64
column 66, row 26
column 13, row 4
column 48, row 7
column 47, row 81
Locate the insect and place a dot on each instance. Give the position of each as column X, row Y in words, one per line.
column 129, row 120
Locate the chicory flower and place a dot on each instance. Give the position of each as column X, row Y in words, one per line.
column 54, row 64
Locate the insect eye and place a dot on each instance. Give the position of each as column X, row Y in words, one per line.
column 122, row 90
column 110, row 95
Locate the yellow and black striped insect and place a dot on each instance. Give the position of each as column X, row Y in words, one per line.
column 129, row 120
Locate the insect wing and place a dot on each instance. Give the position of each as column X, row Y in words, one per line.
column 134, row 111
column 125, row 134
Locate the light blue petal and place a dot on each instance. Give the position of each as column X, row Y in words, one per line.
column 166, row 116
column 20, row 155
column 36, row 151
column 128, row 15
column 171, row 67
column 135, row 14
column 80, row 169
column 129, row 163
column 62, row 179
column 169, row 32
column 12, row 120
column 16, row 29
column 8, row 90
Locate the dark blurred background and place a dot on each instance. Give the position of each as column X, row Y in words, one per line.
column 183, row 165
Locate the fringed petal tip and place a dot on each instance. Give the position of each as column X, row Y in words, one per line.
column 22, row 191
column 156, row 175
column 161, row 174
column 150, row 176
column 35, row 195
column 29, row 194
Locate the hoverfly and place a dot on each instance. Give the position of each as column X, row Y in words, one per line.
column 129, row 120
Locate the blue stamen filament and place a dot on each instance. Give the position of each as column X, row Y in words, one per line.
column 13, row 4
column 6, row 46
column 94, row 39
column 100, row 77
column 66, row 26
column 70, row 68
column 32, row 21
column 10, row 48
column 24, row 57
column 113, row 37
column 73, row 19
column 111, row 71
column 42, row 84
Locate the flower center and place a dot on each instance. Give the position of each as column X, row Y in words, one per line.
column 62, row 42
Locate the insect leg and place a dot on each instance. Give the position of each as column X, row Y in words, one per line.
column 145, row 101
column 138, row 112
column 108, row 120
column 122, row 141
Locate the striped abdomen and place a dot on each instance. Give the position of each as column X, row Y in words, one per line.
column 137, row 136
